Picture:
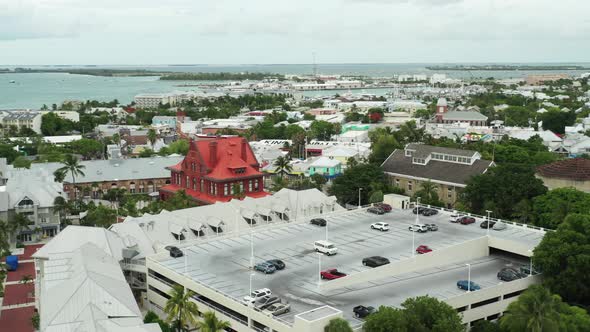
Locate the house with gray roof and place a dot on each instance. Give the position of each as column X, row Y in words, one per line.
column 21, row 118
column 30, row 192
column 136, row 175
column 449, row 169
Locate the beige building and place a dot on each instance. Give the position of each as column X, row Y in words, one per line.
column 573, row 173
column 21, row 118
column 449, row 169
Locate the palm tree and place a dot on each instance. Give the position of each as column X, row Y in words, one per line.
column 180, row 308
column 60, row 206
column 536, row 310
column 211, row 323
column 428, row 193
column 152, row 136
column 283, row 166
column 5, row 233
column 19, row 223
column 73, row 166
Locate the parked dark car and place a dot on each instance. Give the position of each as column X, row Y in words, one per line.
column 385, row 207
column 429, row 212
column 277, row 263
column 466, row 220
column 174, row 251
column 375, row 210
column 418, row 210
column 360, row 311
column 375, row 261
column 485, row 224
column 509, row 274
column 431, row 227
column 464, row 285
column 318, row 221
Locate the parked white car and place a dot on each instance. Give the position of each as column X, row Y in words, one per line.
column 257, row 294
column 499, row 226
column 455, row 217
column 325, row 247
column 420, row 228
column 382, row 226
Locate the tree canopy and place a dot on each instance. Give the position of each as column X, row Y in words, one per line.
column 550, row 209
column 501, row 189
column 421, row 313
column 564, row 258
column 369, row 177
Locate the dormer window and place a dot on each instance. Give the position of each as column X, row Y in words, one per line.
column 240, row 170
column 25, row 202
column 420, row 161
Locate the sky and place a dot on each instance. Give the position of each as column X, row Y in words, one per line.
column 109, row 32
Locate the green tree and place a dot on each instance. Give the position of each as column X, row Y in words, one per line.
column 152, row 317
column 428, row 194
column 425, row 313
column 7, row 151
column 382, row 147
column 563, row 256
column 21, row 162
column 211, row 323
column 499, row 188
column 319, row 180
column 152, row 136
column 278, row 183
column 238, row 192
column 551, row 208
column 338, row 325
column 146, row 153
column 5, row 234
column 99, row 216
column 88, row 148
column 71, row 165
column 376, row 197
column 283, row 166
column 556, row 121
column 60, row 206
column 536, row 310
column 346, row 187
column 179, row 147
column 180, row 308
column 386, row 319
column 323, row 130
column 485, row 326
column 19, row 222
column 180, row 200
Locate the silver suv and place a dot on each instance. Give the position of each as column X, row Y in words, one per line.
column 420, row 228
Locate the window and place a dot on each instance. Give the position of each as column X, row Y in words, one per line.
column 241, row 186
column 194, row 184
column 187, row 183
column 240, row 170
column 450, row 192
column 250, row 185
column 397, row 183
column 202, row 187
column 226, row 189
column 409, row 185
column 26, row 202
column 256, row 185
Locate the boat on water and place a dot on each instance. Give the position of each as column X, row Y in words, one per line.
column 12, row 81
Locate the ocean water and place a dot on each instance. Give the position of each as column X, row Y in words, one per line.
column 35, row 89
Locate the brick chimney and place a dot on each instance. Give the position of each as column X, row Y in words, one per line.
column 244, row 149
column 213, row 153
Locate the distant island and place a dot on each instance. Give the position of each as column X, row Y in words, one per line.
column 505, row 67
column 85, row 71
column 224, row 76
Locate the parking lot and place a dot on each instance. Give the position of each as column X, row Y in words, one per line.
column 223, row 264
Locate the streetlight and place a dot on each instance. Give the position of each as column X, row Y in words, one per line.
column 415, row 223
column 468, row 277
column 251, row 248
column 360, row 189
column 488, row 222
column 319, row 269
column 531, row 263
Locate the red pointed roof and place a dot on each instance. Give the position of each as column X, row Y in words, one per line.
column 577, row 169
column 232, row 153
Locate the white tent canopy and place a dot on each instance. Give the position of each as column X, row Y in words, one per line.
column 263, row 211
column 196, row 226
column 248, row 214
column 177, row 229
column 215, row 222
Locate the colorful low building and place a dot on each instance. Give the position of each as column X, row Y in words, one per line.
column 214, row 169
column 328, row 167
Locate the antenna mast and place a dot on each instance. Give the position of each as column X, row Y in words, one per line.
column 315, row 66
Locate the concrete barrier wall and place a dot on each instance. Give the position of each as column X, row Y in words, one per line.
column 465, row 251
column 317, row 325
column 510, row 246
column 218, row 297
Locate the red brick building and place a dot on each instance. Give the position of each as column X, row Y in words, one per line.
column 212, row 167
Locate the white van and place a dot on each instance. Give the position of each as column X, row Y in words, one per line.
column 325, row 247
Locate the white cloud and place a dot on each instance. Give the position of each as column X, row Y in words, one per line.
column 233, row 31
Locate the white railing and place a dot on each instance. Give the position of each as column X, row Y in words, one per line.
column 513, row 223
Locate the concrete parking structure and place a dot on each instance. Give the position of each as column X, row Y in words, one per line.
column 218, row 270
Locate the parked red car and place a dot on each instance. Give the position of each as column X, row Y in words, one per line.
column 332, row 274
column 466, row 220
column 423, row 249
column 384, row 207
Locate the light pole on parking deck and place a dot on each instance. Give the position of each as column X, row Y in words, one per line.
column 319, row 269
column 488, row 221
column 251, row 248
column 531, row 263
column 414, row 229
column 468, row 277
column 360, row 189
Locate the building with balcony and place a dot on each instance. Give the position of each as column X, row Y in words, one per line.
column 449, row 169
column 214, row 168
column 30, row 192
column 21, row 118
